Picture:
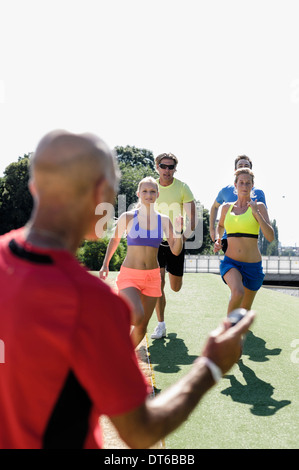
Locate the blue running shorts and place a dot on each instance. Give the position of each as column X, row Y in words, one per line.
column 252, row 273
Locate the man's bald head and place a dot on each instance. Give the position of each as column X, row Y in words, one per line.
column 72, row 162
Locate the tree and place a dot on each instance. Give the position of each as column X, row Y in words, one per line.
column 207, row 246
column 134, row 164
column 91, row 254
column 130, row 177
column 135, row 157
column 267, row 248
column 15, row 199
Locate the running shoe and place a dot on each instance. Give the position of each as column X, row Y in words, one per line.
column 159, row 332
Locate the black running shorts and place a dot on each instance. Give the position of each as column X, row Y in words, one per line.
column 172, row 263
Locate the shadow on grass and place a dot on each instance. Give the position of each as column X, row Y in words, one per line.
column 167, row 354
column 255, row 392
column 256, row 349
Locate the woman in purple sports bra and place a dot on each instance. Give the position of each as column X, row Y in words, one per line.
column 139, row 278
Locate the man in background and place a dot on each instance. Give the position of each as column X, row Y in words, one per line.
column 228, row 194
column 175, row 198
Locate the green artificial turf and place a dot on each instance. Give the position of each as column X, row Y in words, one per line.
column 255, row 406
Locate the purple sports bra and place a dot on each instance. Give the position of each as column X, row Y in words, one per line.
column 143, row 237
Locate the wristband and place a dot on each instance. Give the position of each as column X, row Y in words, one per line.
column 214, row 369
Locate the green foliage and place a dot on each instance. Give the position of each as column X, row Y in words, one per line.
column 135, row 157
column 288, row 251
column 267, row 248
column 91, row 254
column 15, row 199
column 134, row 165
column 207, row 245
column 130, row 177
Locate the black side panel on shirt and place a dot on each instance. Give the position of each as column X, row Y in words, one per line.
column 68, row 425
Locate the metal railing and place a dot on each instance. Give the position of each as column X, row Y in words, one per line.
column 271, row 264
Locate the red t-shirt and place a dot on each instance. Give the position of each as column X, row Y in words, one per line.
column 68, row 356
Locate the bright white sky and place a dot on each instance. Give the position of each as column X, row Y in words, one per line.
column 206, row 80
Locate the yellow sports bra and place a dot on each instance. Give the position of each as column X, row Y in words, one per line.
column 243, row 225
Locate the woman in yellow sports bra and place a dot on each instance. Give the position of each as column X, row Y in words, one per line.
column 241, row 268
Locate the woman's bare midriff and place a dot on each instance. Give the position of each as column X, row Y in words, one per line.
column 141, row 257
column 243, row 249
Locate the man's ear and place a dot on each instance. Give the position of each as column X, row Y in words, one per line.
column 99, row 190
column 104, row 208
column 32, row 187
column 104, row 191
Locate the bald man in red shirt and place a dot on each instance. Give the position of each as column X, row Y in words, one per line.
column 64, row 330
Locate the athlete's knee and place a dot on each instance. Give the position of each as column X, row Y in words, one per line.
column 176, row 288
column 176, row 283
column 141, row 328
column 137, row 316
column 237, row 293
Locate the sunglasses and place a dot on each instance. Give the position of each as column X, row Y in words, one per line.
column 163, row 166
